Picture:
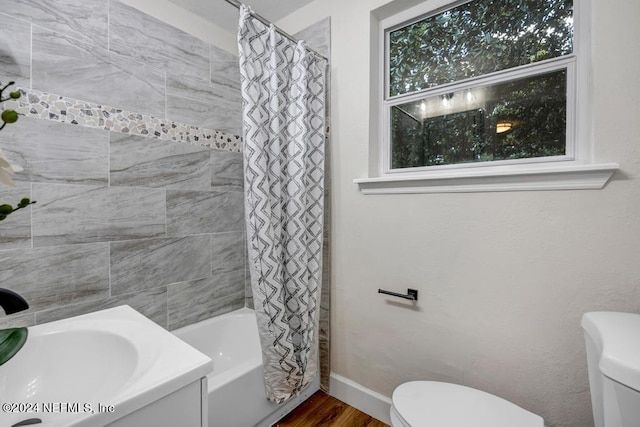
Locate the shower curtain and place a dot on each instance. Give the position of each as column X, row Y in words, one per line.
column 283, row 114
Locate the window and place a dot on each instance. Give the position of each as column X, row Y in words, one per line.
column 484, row 88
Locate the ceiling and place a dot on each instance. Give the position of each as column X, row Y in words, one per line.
column 225, row 15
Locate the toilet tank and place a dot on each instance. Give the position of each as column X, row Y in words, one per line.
column 613, row 357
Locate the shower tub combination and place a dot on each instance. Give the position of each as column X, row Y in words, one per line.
column 236, row 385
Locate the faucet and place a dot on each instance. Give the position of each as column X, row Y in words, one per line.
column 11, row 340
column 12, row 302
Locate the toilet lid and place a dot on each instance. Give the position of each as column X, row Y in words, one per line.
column 430, row 403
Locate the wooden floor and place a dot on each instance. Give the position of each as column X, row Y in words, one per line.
column 324, row 410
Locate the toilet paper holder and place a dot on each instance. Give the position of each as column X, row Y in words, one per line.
column 412, row 294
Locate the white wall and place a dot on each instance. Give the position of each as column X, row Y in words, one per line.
column 503, row 277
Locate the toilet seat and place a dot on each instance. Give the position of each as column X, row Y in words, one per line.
column 438, row 404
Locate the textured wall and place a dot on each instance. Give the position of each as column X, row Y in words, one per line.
column 503, row 277
column 120, row 218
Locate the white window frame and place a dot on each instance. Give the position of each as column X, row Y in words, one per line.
column 574, row 170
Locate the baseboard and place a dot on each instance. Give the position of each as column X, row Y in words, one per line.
column 366, row 400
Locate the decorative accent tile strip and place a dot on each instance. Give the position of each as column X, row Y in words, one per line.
column 34, row 103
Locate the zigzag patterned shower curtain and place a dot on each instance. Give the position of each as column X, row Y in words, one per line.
column 283, row 97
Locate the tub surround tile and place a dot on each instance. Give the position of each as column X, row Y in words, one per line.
column 67, row 214
column 191, row 302
column 80, row 70
column 53, row 152
column 17, row 320
column 85, row 20
column 158, row 163
column 145, row 264
column 248, row 298
column 227, row 252
column 136, row 87
column 110, row 187
column 53, row 277
column 318, row 36
column 15, row 51
column 15, row 230
column 43, row 105
column 227, row 170
column 225, row 68
column 216, row 106
column 208, row 212
column 144, row 38
column 151, row 303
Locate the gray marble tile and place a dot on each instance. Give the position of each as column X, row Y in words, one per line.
column 15, row 230
column 227, row 170
column 191, row 302
column 225, row 68
column 204, row 105
column 248, row 293
column 145, row 162
column 227, row 252
column 79, row 70
column 136, row 35
column 318, row 36
column 15, row 51
column 151, row 303
column 53, row 277
column 17, row 320
column 194, row 212
column 83, row 20
column 144, row 264
column 67, row 214
column 56, row 152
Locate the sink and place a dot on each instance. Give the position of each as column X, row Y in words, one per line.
column 93, row 369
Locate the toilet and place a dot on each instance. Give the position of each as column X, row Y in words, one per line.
column 613, row 359
column 613, row 356
column 438, row 404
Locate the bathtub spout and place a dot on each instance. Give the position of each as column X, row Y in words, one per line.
column 12, row 302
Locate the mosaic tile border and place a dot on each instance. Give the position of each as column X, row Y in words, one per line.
column 43, row 105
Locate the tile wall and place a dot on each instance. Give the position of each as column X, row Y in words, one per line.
column 130, row 144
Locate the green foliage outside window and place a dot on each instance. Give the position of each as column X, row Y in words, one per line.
column 478, row 38
column 470, row 40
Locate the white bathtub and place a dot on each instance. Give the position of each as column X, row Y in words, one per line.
column 236, row 387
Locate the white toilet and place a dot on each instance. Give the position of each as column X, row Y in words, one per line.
column 613, row 354
column 437, row 404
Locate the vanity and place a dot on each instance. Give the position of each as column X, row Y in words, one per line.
column 111, row 368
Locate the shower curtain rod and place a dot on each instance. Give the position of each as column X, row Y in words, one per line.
column 266, row 22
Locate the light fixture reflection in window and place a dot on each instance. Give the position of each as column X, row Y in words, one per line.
column 470, row 97
column 502, row 127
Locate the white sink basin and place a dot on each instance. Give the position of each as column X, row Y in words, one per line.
column 70, row 372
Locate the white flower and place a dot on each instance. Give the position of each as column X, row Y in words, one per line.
column 7, row 170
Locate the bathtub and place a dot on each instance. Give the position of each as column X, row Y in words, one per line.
column 236, row 386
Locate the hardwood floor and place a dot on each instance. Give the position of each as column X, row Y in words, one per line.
column 324, row 410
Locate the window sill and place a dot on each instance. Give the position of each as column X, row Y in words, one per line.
column 531, row 178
